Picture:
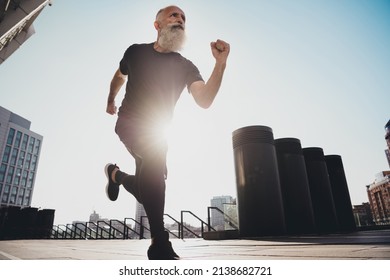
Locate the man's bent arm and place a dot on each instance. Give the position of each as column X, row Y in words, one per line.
column 205, row 93
column 116, row 84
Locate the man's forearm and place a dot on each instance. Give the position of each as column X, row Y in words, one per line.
column 116, row 83
column 214, row 82
column 208, row 92
column 115, row 86
column 205, row 93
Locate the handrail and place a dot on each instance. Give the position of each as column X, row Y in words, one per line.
column 56, row 229
column 92, row 230
column 84, row 230
column 103, row 229
column 66, row 231
column 202, row 224
column 114, row 230
column 141, row 226
column 230, row 219
column 178, row 226
column 125, row 228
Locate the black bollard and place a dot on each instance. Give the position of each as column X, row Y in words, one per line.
column 298, row 210
column 341, row 198
column 45, row 222
column 259, row 199
column 320, row 190
column 3, row 217
column 28, row 221
column 12, row 223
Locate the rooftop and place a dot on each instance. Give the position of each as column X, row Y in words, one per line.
column 360, row 245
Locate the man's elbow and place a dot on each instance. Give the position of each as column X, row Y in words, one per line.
column 202, row 95
column 204, row 104
column 119, row 76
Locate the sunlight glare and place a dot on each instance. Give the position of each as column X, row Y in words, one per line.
column 167, row 131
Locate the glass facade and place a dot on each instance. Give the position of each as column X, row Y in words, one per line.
column 18, row 167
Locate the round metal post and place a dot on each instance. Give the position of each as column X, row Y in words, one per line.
column 294, row 183
column 341, row 198
column 259, row 199
column 320, row 190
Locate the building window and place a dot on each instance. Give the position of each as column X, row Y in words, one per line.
column 17, row 176
column 37, row 147
column 14, row 156
column 27, row 198
column 11, row 135
column 21, row 159
column 28, row 161
column 12, row 199
column 34, row 163
column 3, row 169
column 24, row 142
column 4, row 198
column 20, row 196
column 31, row 144
column 24, row 178
column 30, row 180
column 7, row 152
column 5, row 194
column 17, row 139
column 6, row 189
column 10, row 175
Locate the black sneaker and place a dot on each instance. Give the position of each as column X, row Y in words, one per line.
column 161, row 249
column 112, row 188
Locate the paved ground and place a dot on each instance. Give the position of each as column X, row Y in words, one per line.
column 362, row 245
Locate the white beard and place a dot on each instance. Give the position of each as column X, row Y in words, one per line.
column 171, row 38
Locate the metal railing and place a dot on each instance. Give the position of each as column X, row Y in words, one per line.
column 203, row 223
column 121, row 229
column 111, row 229
column 116, row 229
column 229, row 220
column 178, row 226
column 63, row 232
column 104, row 231
column 135, row 232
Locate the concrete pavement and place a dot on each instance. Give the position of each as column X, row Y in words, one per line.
column 360, row 245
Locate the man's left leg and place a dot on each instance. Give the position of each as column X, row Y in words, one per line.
column 150, row 177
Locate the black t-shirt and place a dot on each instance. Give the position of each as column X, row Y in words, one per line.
column 155, row 83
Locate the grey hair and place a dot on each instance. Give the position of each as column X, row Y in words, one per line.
column 163, row 9
column 159, row 12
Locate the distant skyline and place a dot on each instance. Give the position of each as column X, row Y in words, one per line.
column 313, row 70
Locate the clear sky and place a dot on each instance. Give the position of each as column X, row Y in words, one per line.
column 314, row 70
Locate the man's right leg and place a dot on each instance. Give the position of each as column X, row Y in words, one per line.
column 126, row 133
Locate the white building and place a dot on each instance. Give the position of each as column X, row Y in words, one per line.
column 226, row 217
column 19, row 156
